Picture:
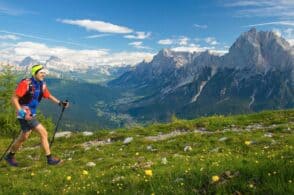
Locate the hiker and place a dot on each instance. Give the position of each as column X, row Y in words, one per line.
column 25, row 99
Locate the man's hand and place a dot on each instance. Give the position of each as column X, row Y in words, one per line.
column 21, row 114
column 64, row 104
column 24, row 113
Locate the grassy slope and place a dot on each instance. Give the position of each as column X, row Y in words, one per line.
column 255, row 156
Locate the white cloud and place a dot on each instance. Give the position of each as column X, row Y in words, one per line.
column 195, row 48
column 97, row 36
column 211, row 41
column 138, row 45
column 185, row 44
column 41, row 52
column 183, row 41
column 262, row 8
column 165, row 42
column 129, row 57
column 200, row 26
column 97, row 25
column 138, row 35
column 9, row 37
column 41, row 38
column 247, row 3
column 283, row 23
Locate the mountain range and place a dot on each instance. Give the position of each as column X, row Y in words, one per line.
column 59, row 68
column 256, row 74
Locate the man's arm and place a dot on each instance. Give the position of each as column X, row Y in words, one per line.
column 53, row 99
column 60, row 103
column 15, row 102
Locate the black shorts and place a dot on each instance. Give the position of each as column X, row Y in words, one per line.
column 28, row 125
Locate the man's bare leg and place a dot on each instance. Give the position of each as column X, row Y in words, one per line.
column 43, row 137
column 19, row 141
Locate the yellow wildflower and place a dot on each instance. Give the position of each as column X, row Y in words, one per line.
column 215, row 178
column 85, row 172
column 148, row 172
column 32, row 174
column 68, row 178
column 248, row 143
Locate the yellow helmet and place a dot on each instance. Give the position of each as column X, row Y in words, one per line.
column 36, row 68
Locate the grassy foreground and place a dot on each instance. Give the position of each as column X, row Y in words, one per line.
column 245, row 154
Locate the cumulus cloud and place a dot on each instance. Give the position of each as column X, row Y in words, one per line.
column 165, row 42
column 196, row 48
column 97, row 25
column 138, row 35
column 39, row 51
column 211, row 41
column 193, row 48
column 138, row 45
column 183, row 41
column 185, row 44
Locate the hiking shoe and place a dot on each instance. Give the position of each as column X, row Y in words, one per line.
column 11, row 161
column 54, row 161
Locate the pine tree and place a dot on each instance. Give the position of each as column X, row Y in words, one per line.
column 7, row 116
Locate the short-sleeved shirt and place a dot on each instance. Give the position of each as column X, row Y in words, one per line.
column 23, row 87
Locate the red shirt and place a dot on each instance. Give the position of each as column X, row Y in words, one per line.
column 23, row 87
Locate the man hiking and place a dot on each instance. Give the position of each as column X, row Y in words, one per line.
column 26, row 98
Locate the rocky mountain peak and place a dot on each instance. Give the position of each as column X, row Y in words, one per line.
column 28, row 61
column 255, row 49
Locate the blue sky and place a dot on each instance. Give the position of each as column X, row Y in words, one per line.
column 128, row 31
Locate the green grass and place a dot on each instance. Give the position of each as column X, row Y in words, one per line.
column 262, row 166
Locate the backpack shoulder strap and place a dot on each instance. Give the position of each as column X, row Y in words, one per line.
column 29, row 83
column 28, row 95
column 42, row 89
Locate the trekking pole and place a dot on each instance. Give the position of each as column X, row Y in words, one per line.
column 9, row 146
column 57, row 124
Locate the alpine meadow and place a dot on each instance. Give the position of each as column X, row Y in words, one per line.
column 145, row 97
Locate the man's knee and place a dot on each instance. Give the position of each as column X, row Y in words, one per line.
column 42, row 131
column 44, row 134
